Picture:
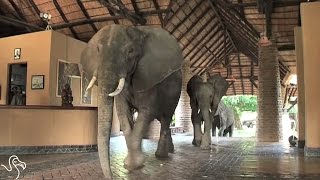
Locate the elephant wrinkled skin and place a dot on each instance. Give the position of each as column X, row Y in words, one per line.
column 204, row 100
column 223, row 120
column 135, row 68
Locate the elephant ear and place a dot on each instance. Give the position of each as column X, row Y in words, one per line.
column 193, row 83
column 220, row 87
column 161, row 56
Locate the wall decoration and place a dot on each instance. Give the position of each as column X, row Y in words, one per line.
column 62, row 78
column 37, row 82
column 85, row 97
column 17, row 53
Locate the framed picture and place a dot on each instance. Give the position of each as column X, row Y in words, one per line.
column 37, row 82
column 17, row 53
column 62, row 79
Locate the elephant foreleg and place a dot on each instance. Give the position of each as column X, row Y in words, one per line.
column 221, row 131
column 125, row 116
column 135, row 158
column 165, row 144
column 196, row 130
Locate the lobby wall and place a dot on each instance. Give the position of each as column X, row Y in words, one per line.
column 35, row 51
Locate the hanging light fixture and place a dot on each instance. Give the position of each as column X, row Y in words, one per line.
column 264, row 41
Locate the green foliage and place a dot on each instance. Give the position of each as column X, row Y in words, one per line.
column 241, row 103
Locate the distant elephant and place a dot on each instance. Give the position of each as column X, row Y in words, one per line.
column 223, row 120
column 135, row 68
column 204, row 101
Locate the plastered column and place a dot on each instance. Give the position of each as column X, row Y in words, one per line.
column 310, row 13
column 301, row 86
column 183, row 110
column 269, row 126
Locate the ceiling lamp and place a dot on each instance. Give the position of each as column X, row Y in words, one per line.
column 46, row 17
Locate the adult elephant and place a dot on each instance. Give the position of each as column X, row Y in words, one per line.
column 204, row 100
column 135, row 68
column 223, row 120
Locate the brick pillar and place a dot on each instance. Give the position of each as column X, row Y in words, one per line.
column 311, row 42
column 183, row 110
column 300, row 76
column 269, row 126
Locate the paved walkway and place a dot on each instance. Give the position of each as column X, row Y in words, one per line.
column 229, row 158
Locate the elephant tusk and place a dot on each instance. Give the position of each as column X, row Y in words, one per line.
column 119, row 88
column 198, row 111
column 93, row 80
column 210, row 110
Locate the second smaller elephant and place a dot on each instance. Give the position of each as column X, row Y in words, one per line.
column 223, row 120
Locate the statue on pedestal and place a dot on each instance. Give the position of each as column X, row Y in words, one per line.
column 66, row 96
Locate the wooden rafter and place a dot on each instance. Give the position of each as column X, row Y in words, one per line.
column 84, row 11
column 202, row 46
column 212, row 62
column 116, row 6
column 166, row 16
column 17, row 9
column 276, row 3
column 18, row 23
column 186, row 17
column 194, row 24
column 102, row 19
column 156, row 5
column 177, row 11
column 214, row 32
column 56, row 4
column 199, row 32
column 213, row 7
column 240, row 69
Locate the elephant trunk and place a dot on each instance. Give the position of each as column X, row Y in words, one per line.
column 206, row 138
column 105, row 115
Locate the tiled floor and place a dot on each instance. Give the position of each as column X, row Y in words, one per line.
column 229, row 158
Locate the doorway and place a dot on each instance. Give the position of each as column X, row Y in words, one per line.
column 17, row 83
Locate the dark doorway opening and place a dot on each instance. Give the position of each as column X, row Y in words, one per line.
column 17, row 83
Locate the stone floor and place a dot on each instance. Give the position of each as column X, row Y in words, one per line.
column 229, row 158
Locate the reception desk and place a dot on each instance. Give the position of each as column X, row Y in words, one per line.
column 47, row 129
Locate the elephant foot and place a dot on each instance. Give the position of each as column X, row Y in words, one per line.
column 205, row 146
column 196, row 142
column 134, row 161
column 161, row 154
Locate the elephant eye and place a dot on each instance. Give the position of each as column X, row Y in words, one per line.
column 130, row 50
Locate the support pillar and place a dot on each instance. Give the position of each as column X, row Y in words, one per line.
column 311, row 54
column 269, row 126
column 301, row 85
column 183, row 110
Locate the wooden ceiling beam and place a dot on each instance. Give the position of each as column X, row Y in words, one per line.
column 214, row 60
column 102, row 19
column 194, row 24
column 213, row 7
column 235, row 17
column 56, row 4
column 287, row 47
column 204, row 44
column 156, row 5
column 116, row 6
column 240, row 69
column 17, row 10
column 186, row 17
column 232, row 22
column 84, row 11
column 213, row 29
column 18, row 23
column 278, row 3
column 166, row 17
column 178, row 10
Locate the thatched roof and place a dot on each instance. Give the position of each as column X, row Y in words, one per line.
column 217, row 36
